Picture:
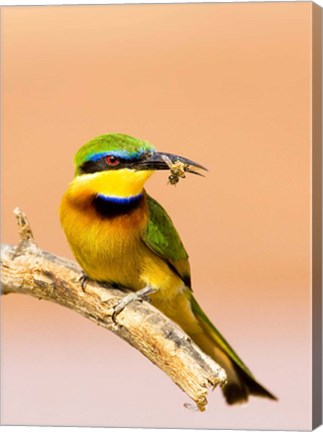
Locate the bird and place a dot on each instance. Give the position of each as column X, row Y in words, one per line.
column 120, row 235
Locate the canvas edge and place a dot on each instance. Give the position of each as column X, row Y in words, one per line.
column 316, row 215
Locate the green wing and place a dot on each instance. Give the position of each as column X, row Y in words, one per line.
column 163, row 239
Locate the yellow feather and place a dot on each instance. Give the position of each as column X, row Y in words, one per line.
column 119, row 183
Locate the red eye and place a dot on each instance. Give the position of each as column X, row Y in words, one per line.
column 112, row 160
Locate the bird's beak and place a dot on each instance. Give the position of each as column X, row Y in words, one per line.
column 165, row 161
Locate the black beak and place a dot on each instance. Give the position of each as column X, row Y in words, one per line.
column 165, row 161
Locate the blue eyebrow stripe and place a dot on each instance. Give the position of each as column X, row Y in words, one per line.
column 123, row 154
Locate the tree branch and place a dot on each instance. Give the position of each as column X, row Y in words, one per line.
column 27, row 269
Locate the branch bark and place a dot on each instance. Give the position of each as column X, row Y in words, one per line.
column 27, row 269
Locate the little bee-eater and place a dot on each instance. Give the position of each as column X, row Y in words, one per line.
column 121, row 235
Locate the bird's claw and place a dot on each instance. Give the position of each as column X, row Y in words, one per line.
column 138, row 295
column 83, row 280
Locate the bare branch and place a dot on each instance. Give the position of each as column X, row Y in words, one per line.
column 26, row 269
column 25, row 231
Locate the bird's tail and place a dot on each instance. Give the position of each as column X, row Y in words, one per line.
column 240, row 381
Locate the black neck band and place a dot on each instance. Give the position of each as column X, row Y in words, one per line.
column 110, row 207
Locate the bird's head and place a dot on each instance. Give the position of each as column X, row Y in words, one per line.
column 119, row 165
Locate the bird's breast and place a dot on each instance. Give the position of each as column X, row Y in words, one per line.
column 105, row 237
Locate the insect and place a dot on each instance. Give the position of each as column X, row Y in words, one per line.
column 177, row 170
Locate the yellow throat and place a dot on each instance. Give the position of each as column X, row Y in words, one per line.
column 122, row 183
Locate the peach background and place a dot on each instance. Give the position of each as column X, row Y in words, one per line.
column 227, row 85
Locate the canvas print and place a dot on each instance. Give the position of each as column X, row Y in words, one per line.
column 162, row 198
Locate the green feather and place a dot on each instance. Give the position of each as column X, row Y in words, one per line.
column 163, row 239
column 111, row 142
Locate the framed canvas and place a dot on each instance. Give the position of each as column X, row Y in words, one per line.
column 232, row 91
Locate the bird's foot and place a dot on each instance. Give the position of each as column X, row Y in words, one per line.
column 138, row 295
column 83, row 280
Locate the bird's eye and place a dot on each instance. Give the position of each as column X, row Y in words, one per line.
column 112, row 160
